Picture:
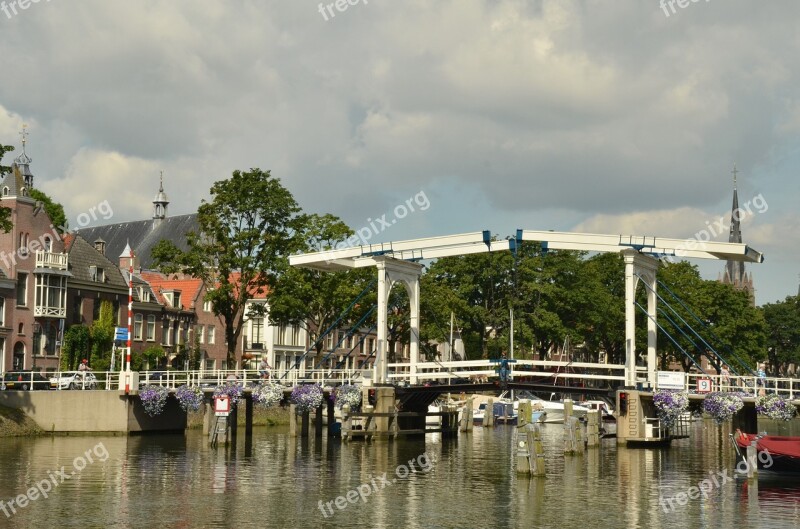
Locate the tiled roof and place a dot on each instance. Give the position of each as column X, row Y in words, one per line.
column 188, row 287
column 142, row 236
column 255, row 291
column 82, row 255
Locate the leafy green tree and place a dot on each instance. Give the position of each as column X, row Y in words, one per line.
column 102, row 332
column 152, row 356
column 246, row 233
column 54, row 210
column 77, row 346
column 314, row 299
column 783, row 334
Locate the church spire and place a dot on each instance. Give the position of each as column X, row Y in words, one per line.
column 23, row 161
column 160, row 203
column 734, row 270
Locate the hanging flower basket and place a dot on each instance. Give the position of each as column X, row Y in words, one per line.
column 775, row 407
column 722, row 406
column 154, row 398
column 189, row 398
column 348, row 394
column 231, row 389
column 268, row 394
column 670, row 405
column 307, row 397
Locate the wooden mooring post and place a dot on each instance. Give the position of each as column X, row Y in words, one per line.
column 488, row 414
column 528, row 439
column 573, row 438
column 466, row 416
column 593, row 429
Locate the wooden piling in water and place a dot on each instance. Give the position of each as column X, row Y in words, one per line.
column 488, row 414
column 466, row 416
column 292, row 420
column 573, row 441
column 593, row 429
column 318, row 422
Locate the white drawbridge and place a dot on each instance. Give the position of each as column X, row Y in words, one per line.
column 397, row 262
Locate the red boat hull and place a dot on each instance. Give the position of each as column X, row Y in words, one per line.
column 775, row 453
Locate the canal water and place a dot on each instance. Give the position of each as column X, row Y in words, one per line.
column 469, row 482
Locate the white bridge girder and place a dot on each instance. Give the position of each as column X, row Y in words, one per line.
column 396, row 262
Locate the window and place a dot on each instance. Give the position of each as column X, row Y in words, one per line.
column 151, row 328
column 5, row 191
column 211, row 333
column 210, row 364
column 257, row 331
column 138, row 321
column 144, row 294
column 176, row 300
column 97, row 274
column 48, row 244
column 201, row 333
column 23, row 244
column 77, row 309
column 2, row 311
column 208, row 306
column 22, row 289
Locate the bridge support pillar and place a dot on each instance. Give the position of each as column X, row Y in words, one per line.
column 640, row 267
column 391, row 271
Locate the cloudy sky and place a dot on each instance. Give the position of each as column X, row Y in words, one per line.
column 613, row 116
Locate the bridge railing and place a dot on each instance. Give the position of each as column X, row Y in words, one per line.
column 476, row 370
column 786, row 387
column 115, row 380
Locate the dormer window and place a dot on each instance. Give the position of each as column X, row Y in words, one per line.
column 144, row 295
column 48, row 244
column 173, row 298
column 97, row 274
column 5, row 191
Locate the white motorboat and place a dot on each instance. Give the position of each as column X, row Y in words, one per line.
column 608, row 422
column 554, row 409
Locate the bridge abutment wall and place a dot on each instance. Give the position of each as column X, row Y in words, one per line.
column 93, row 412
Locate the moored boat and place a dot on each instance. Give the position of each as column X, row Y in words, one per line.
column 776, row 453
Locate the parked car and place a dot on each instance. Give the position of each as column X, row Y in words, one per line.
column 22, row 380
column 74, row 380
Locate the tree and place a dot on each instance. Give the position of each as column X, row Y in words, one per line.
column 54, row 210
column 783, row 334
column 246, row 233
column 5, row 213
column 77, row 346
column 102, row 332
column 314, row 299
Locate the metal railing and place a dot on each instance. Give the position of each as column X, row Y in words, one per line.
column 115, row 380
column 786, row 387
column 476, row 370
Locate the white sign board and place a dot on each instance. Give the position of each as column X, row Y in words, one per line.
column 671, row 380
column 222, row 406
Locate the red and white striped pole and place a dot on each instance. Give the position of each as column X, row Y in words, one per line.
column 130, row 321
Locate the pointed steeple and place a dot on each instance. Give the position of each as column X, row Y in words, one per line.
column 23, row 161
column 734, row 270
column 160, row 203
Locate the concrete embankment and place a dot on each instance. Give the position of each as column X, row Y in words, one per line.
column 14, row 423
column 93, row 412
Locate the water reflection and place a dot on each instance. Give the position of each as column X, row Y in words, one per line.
column 279, row 481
